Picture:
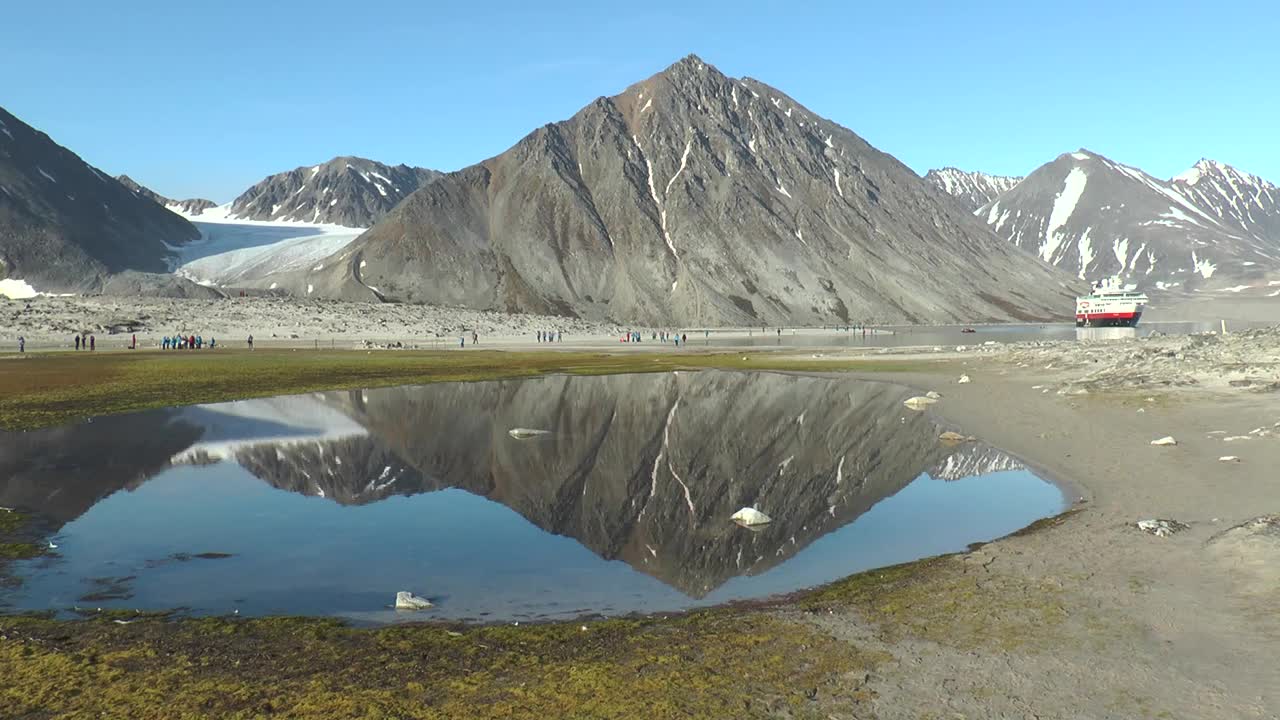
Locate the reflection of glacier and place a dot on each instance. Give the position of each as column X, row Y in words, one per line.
column 229, row 428
column 640, row 468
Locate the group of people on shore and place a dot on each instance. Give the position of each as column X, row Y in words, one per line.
column 656, row 335
column 87, row 342
column 189, row 342
column 550, row 335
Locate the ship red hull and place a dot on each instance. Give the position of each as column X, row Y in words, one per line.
column 1117, row 319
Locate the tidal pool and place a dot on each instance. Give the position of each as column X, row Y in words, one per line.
column 330, row 503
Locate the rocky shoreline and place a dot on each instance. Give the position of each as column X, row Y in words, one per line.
column 51, row 322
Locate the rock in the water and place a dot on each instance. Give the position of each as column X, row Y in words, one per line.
column 964, row 379
column 955, row 437
column 1228, row 458
column 526, row 433
column 750, row 516
column 406, row 600
column 1161, row 528
column 933, row 395
column 1236, row 438
column 1166, row 440
column 919, row 402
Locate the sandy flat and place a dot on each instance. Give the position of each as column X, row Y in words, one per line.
column 1185, row 626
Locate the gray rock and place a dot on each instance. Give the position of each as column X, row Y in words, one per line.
column 1161, row 528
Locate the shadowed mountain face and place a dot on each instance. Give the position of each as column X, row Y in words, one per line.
column 645, row 469
column 694, row 198
column 65, row 226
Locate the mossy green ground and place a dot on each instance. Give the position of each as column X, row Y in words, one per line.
column 41, row 390
column 714, row 664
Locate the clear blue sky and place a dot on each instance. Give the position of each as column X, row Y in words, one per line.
column 206, row 98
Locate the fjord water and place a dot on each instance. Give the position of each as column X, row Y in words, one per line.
column 328, row 504
column 946, row 336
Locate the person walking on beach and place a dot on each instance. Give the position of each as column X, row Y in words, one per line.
column 77, row 342
column 251, row 342
column 93, row 343
column 22, row 344
column 133, row 345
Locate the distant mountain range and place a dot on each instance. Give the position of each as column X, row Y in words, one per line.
column 66, row 226
column 1210, row 227
column 192, row 206
column 349, row 191
column 691, row 198
column 972, row 189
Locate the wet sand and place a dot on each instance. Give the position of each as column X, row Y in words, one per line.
column 1184, row 626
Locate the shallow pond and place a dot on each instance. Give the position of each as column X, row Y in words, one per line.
column 328, row 504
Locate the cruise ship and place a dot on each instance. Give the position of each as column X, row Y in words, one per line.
column 1110, row 304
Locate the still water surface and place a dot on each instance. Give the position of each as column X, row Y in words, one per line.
column 327, row 504
column 922, row 335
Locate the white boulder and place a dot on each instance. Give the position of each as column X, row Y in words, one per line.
column 1228, row 458
column 919, row 402
column 933, row 395
column 1165, row 441
column 750, row 516
column 964, row 380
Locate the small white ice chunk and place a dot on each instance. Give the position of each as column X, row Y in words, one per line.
column 406, row 600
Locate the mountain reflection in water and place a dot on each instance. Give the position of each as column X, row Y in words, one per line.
column 645, row 469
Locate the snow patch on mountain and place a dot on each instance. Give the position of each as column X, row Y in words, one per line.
column 1063, row 207
column 15, row 289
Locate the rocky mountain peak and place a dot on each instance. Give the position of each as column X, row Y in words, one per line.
column 347, row 190
column 971, row 189
column 692, row 197
column 1096, row 217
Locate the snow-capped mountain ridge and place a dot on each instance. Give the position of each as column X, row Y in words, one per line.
column 1096, row 217
column 972, row 189
column 348, row 191
column 1242, row 202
